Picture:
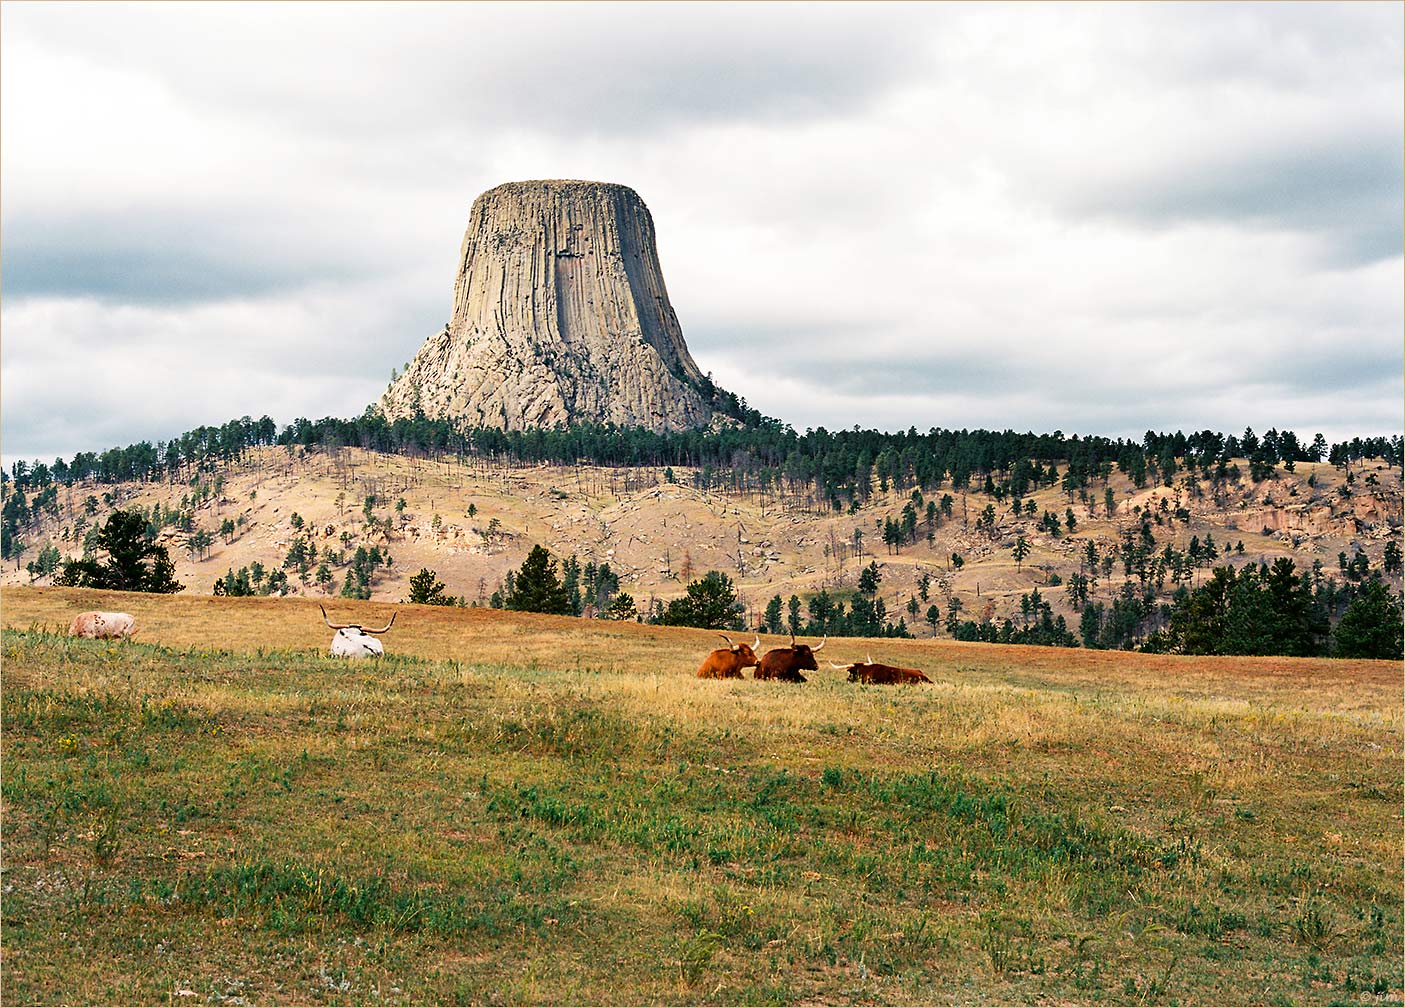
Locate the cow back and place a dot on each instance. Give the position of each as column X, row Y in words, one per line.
column 785, row 664
column 721, row 664
column 101, row 625
column 884, row 675
column 352, row 643
column 117, row 624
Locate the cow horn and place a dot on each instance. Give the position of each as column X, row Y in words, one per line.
column 756, row 644
column 832, row 665
column 334, row 626
column 792, row 640
column 382, row 629
column 820, row 644
column 870, row 658
column 728, row 640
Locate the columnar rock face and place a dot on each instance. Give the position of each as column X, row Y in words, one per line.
column 560, row 317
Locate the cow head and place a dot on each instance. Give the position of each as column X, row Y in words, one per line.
column 353, row 641
column 746, row 652
column 805, row 655
column 852, row 668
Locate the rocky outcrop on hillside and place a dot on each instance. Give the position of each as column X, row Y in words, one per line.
column 560, row 316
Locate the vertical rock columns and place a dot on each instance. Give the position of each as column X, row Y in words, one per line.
column 560, row 316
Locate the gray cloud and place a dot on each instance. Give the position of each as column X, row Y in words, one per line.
column 561, row 67
column 1089, row 217
column 1271, row 116
column 1347, row 192
column 156, row 258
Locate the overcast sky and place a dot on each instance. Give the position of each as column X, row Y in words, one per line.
column 1093, row 218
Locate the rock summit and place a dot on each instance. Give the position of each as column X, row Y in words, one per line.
column 560, row 316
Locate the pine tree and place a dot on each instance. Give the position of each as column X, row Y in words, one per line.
column 773, row 615
column 711, row 603
column 621, row 608
column 870, row 578
column 427, row 589
column 46, row 563
column 571, row 582
column 1090, row 625
column 134, row 560
column 536, row 587
column 1371, row 627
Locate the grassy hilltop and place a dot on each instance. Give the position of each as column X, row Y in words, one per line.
column 525, row 809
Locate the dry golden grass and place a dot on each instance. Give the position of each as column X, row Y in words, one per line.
column 577, row 816
column 487, row 636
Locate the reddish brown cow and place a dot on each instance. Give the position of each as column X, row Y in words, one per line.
column 728, row 662
column 868, row 672
column 786, row 663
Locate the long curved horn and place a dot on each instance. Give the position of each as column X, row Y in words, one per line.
column 383, row 629
column 756, row 645
column 726, row 638
column 832, row 665
column 870, row 658
column 820, row 644
column 792, row 640
column 334, row 626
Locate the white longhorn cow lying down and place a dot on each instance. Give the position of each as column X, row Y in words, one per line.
column 353, row 641
column 102, row 625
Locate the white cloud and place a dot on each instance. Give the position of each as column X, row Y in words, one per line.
column 1087, row 217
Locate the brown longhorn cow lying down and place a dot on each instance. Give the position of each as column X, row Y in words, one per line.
column 869, row 672
column 728, row 662
column 101, row 625
column 787, row 663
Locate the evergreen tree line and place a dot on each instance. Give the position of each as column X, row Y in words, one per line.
column 864, row 614
column 579, row 589
column 843, row 464
column 1258, row 609
column 841, row 468
column 710, row 602
column 252, row 579
column 1275, row 609
column 1037, row 625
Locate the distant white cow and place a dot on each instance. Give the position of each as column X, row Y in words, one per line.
column 353, row 641
column 102, row 625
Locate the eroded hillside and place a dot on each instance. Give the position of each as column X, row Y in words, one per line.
column 473, row 522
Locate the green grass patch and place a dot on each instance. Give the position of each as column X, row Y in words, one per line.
column 284, row 827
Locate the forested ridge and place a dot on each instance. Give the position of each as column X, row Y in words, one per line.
column 842, row 465
column 1160, row 604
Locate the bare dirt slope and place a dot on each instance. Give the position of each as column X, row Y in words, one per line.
column 658, row 535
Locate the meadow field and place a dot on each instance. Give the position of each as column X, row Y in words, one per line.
column 515, row 809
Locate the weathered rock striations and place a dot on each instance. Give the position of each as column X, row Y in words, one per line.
column 560, row 317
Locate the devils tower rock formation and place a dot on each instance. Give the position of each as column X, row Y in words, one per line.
column 560, row 317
